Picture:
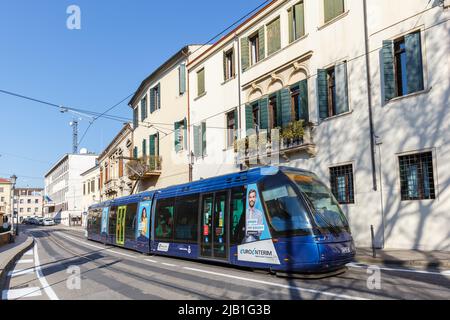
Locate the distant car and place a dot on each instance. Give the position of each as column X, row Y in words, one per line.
column 40, row 221
column 48, row 222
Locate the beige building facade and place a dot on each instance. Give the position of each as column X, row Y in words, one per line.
column 5, row 201
column 160, row 126
column 29, row 202
column 91, row 190
column 114, row 182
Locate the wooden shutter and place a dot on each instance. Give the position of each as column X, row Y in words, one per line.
column 341, row 88
column 182, row 80
column 120, row 168
column 135, row 117
column 248, row 118
column 201, row 82
column 245, row 54
column 152, row 100
column 178, row 146
column 158, row 100
column 388, row 69
column 225, row 78
column 262, row 43
column 197, row 141
column 303, row 100
column 135, row 152
column 414, row 67
column 203, row 138
column 152, row 146
column 143, row 109
column 299, row 20
column 273, row 37
column 291, row 24
column 333, row 8
column 264, row 113
column 144, row 147
column 286, row 109
column 322, row 92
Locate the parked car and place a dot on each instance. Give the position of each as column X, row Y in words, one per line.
column 48, row 222
column 40, row 221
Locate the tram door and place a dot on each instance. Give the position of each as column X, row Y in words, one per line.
column 120, row 226
column 214, row 226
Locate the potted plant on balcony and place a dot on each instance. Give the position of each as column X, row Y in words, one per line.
column 293, row 134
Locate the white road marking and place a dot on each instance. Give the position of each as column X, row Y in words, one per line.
column 25, row 261
column 29, row 253
column 169, row 264
column 20, row 272
column 48, row 290
column 364, row 266
column 122, row 254
column 342, row 296
column 152, row 261
column 21, row 293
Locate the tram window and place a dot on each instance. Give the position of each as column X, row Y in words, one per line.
column 91, row 221
column 237, row 216
column 164, row 219
column 130, row 221
column 112, row 220
column 186, row 219
column 98, row 220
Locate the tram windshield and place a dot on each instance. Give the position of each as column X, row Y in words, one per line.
column 327, row 213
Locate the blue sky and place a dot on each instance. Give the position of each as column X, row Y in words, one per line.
column 119, row 44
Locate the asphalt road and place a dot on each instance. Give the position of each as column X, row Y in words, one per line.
column 63, row 265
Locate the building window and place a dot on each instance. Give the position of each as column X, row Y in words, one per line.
column 274, row 112
column 403, row 66
column 29, row 210
column 182, row 78
column 296, row 22
column 416, row 177
column 29, row 201
column 200, row 140
column 84, row 189
column 231, row 118
column 180, row 135
column 21, row 201
column 201, row 82
column 273, row 37
column 36, row 209
column 299, row 101
column 333, row 91
column 155, row 98
column 332, row 9
column 144, row 108
column 36, row 200
column 342, row 186
column 93, row 186
column 228, row 64
column 254, row 48
column 21, row 210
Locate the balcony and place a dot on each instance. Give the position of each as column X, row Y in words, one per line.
column 147, row 167
column 111, row 186
column 264, row 147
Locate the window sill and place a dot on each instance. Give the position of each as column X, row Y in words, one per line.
column 337, row 18
column 337, row 116
column 228, row 80
column 418, row 93
column 298, row 40
column 265, row 58
column 200, row 96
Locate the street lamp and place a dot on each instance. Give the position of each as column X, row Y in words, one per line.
column 13, row 182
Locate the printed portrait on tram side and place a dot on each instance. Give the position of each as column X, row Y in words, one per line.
column 143, row 219
column 255, row 225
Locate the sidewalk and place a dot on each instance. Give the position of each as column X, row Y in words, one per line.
column 9, row 254
column 405, row 258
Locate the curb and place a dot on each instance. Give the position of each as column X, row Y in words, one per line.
column 3, row 272
column 406, row 263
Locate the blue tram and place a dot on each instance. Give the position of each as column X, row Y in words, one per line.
column 277, row 218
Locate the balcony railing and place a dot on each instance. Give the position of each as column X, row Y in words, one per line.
column 144, row 168
column 261, row 148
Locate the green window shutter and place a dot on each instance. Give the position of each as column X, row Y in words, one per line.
column 135, row 117
column 273, row 37
column 245, row 54
column 185, row 137
column 303, row 105
column 264, row 113
column 236, row 119
column 152, row 100
column 414, row 66
column 197, row 141
column 152, row 146
column 182, row 80
column 291, row 24
column 388, row 69
column 322, row 93
column 333, row 8
column 178, row 146
column 135, row 152
column 201, row 82
column 299, row 20
column 249, row 118
column 203, row 138
column 143, row 109
column 158, row 102
column 286, row 108
column 262, row 43
column 341, row 88
column 224, row 66
column 144, row 147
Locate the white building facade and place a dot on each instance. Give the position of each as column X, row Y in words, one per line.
column 64, row 188
column 91, row 191
column 355, row 91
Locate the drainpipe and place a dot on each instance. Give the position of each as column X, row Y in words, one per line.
column 372, row 133
column 369, row 97
column 188, row 91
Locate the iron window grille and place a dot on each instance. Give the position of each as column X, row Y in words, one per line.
column 342, row 186
column 416, row 177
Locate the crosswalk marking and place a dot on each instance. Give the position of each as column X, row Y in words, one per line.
column 29, row 252
column 25, row 261
column 20, row 272
column 21, row 293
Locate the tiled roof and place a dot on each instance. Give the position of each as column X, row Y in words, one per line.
column 4, row 180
